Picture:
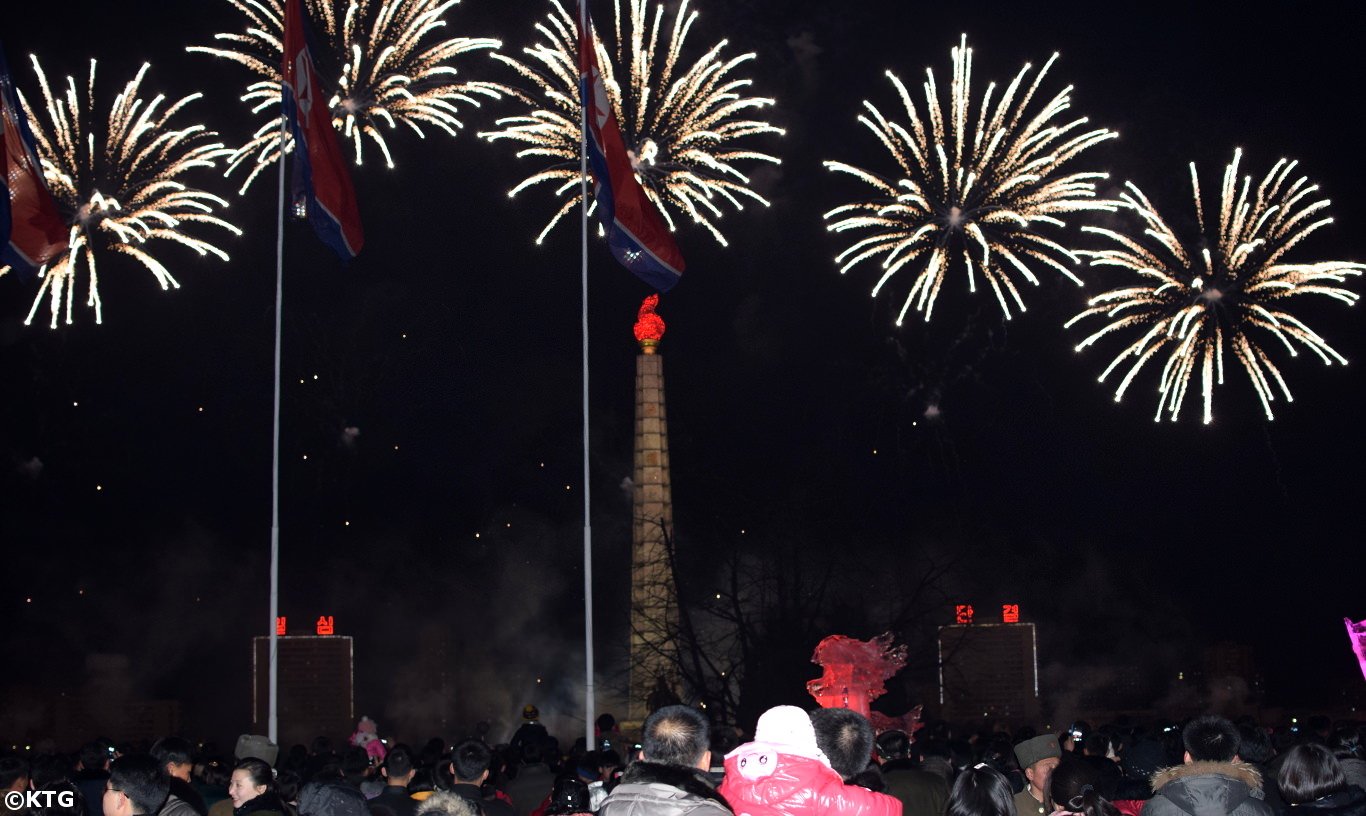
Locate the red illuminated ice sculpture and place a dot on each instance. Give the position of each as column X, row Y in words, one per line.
column 1357, row 632
column 855, row 671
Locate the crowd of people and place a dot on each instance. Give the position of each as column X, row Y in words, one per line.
column 828, row 762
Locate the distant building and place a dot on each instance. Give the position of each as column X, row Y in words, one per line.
column 989, row 671
column 315, row 684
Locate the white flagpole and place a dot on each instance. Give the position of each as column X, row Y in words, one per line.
column 588, row 705
column 272, row 727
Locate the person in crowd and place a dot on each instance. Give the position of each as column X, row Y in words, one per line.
column 569, row 797
column 606, row 767
column 213, row 786
column 1140, row 761
column 328, row 794
column 1313, row 783
column 469, row 769
column 981, row 790
column 92, row 772
column 783, row 772
column 1255, row 748
column 14, row 778
column 534, row 779
column 1075, row 786
column 287, row 787
column 445, row 803
column 1213, row 780
column 424, row 782
column 530, row 732
column 52, row 806
column 1038, row 756
column 252, row 790
column 176, row 757
column 397, row 772
column 846, row 739
column 1347, row 746
column 136, row 786
column 921, row 792
column 669, row 776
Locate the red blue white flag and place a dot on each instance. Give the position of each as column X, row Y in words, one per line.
column 322, row 184
column 32, row 231
column 636, row 231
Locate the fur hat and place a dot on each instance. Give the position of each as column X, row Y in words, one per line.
column 255, row 745
column 1044, row 746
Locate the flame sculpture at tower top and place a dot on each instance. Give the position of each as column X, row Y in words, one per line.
column 649, row 328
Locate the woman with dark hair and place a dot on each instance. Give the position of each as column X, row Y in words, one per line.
column 1313, row 784
column 252, row 790
column 1073, row 787
column 980, row 790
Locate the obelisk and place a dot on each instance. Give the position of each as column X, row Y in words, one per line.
column 654, row 602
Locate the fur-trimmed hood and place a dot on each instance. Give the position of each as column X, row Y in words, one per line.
column 1210, row 789
column 1241, row 771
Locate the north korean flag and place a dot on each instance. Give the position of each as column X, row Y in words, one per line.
column 636, row 231
column 322, row 184
column 32, row 231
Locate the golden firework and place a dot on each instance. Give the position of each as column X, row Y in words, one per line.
column 1219, row 292
column 119, row 183
column 395, row 68
column 973, row 188
column 681, row 121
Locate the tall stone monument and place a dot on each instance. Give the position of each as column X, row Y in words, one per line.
column 654, row 601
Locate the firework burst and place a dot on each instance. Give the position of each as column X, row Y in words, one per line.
column 1220, row 292
column 395, row 69
column 118, row 183
column 681, row 123
column 973, row 188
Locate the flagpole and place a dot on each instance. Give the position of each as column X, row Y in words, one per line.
column 272, row 727
column 588, row 705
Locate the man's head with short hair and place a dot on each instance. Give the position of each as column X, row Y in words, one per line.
column 470, row 761
column 1210, row 739
column 893, row 744
column 846, row 739
column 398, row 766
column 176, row 756
column 137, row 786
column 1254, row 745
column 676, row 735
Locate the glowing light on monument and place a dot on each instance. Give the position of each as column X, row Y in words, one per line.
column 649, row 328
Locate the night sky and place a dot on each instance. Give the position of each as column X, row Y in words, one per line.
column 135, row 455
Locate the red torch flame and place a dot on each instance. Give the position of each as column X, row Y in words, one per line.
column 649, row 326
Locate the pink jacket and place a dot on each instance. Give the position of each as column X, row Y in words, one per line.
column 764, row 783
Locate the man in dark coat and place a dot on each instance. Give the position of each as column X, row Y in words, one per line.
column 393, row 799
column 1214, row 781
column 470, row 763
column 921, row 792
